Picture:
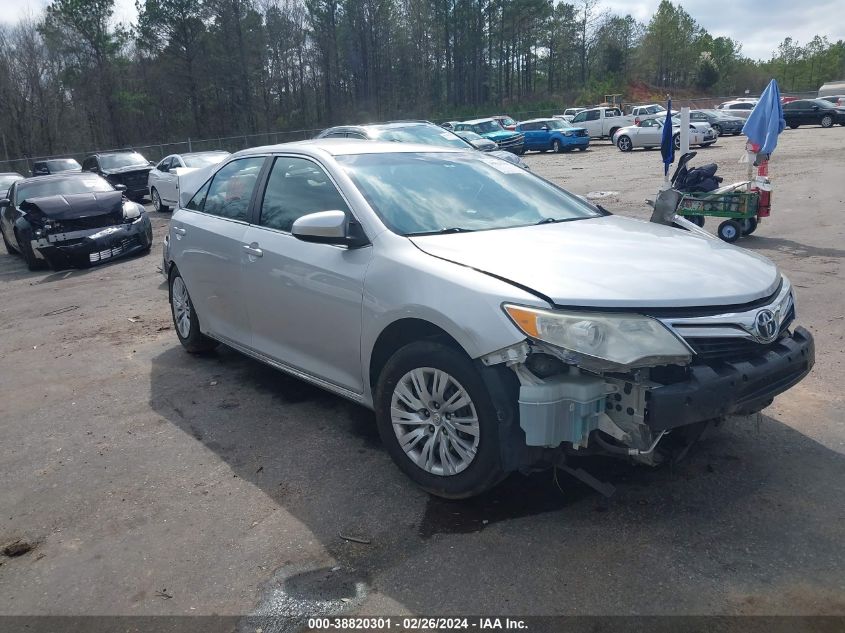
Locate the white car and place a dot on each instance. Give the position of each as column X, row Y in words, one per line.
column 649, row 134
column 163, row 179
column 569, row 114
column 738, row 107
column 702, row 126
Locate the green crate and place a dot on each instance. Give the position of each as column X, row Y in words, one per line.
column 736, row 204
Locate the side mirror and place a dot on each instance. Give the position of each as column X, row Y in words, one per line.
column 5, row 202
column 152, row 164
column 119, row 187
column 329, row 227
column 815, row 107
column 545, row 128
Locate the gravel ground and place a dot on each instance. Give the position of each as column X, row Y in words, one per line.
column 153, row 482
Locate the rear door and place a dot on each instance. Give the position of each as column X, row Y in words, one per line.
column 304, row 299
column 206, row 244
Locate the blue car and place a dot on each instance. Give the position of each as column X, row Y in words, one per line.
column 557, row 135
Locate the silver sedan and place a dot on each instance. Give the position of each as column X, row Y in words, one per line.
column 493, row 321
column 649, row 134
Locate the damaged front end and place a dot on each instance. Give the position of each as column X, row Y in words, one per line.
column 81, row 230
column 619, row 383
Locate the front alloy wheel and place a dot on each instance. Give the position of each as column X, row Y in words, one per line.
column 624, row 144
column 435, row 421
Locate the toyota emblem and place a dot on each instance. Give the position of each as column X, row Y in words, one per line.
column 766, row 325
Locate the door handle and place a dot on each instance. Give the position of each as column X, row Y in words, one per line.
column 252, row 249
column 179, row 230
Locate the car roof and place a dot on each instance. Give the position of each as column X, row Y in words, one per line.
column 476, row 121
column 545, row 118
column 346, row 146
column 116, row 152
column 210, row 151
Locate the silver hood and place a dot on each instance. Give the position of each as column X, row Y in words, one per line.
column 613, row 262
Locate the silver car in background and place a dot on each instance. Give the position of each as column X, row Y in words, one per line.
column 493, row 321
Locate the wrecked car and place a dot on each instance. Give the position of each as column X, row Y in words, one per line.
column 127, row 168
column 72, row 219
column 493, row 321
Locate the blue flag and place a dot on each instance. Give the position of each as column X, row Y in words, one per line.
column 667, row 143
column 766, row 120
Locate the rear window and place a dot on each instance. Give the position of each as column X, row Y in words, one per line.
column 424, row 134
column 117, row 161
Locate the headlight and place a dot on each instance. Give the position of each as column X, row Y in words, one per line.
column 131, row 211
column 567, row 133
column 629, row 340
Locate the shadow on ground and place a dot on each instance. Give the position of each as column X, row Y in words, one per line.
column 757, row 507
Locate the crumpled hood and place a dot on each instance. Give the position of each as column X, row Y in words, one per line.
column 502, row 135
column 613, row 262
column 78, row 205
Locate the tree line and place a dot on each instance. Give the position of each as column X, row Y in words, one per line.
column 72, row 79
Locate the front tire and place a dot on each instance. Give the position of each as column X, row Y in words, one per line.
column 437, row 420
column 185, row 320
column 624, row 144
column 717, row 129
column 158, row 205
column 25, row 248
column 9, row 248
column 749, row 225
column 730, row 231
column 557, row 146
column 676, row 141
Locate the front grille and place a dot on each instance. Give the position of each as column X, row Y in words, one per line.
column 581, row 132
column 85, row 224
column 116, row 249
column 734, row 349
column 513, row 141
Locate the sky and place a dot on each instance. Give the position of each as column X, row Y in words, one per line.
column 760, row 26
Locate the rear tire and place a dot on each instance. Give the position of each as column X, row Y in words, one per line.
column 158, row 205
column 730, row 231
column 749, row 225
column 557, row 146
column 827, row 121
column 185, row 320
column 445, row 458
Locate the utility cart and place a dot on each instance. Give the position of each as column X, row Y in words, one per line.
column 739, row 208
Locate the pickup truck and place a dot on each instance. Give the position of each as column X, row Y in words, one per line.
column 602, row 122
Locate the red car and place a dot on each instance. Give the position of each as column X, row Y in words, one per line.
column 505, row 121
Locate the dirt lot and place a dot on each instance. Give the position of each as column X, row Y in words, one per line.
column 153, row 482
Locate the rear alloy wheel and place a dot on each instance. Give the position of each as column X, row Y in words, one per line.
column 730, row 231
column 437, row 420
column 624, row 144
column 827, row 121
column 185, row 318
column 158, row 205
column 557, row 146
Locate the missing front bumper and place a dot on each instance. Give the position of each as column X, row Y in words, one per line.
column 86, row 248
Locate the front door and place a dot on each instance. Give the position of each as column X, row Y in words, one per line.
column 304, row 299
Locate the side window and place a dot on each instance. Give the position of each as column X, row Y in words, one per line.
column 592, row 115
column 356, row 135
column 231, row 188
column 198, row 201
column 297, row 187
column 164, row 165
column 176, row 162
column 336, row 134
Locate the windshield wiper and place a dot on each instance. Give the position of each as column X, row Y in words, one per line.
column 451, row 229
column 549, row 221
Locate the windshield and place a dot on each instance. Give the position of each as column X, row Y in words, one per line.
column 416, row 194
column 424, row 134
column 116, row 161
column 486, row 127
column 63, row 164
column 558, row 124
column 507, row 121
column 203, row 160
column 7, row 180
column 63, row 187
